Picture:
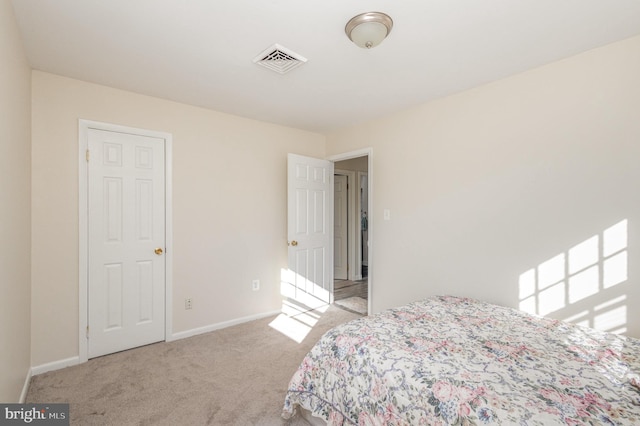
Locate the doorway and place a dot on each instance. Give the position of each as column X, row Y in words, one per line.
column 351, row 281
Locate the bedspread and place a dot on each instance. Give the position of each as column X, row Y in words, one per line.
column 449, row 360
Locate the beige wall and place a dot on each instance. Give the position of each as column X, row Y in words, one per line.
column 493, row 182
column 229, row 206
column 482, row 186
column 15, row 208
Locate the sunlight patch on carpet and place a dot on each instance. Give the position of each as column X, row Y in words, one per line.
column 296, row 321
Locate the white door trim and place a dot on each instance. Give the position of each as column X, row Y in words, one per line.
column 359, row 262
column 83, row 230
column 347, row 156
column 352, row 239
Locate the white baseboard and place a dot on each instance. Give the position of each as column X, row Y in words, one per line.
column 25, row 387
column 220, row 325
column 55, row 365
column 68, row 362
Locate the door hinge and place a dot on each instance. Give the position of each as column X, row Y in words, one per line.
column 87, row 332
column 87, row 156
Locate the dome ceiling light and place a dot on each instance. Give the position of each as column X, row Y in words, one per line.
column 367, row 30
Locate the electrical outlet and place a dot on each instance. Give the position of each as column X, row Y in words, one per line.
column 255, row 285
column 188, row 303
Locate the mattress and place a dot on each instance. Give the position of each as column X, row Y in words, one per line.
column 451, row 360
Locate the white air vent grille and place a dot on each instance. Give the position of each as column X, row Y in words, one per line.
column 279, row 59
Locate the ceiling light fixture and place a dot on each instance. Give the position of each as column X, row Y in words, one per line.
column 367, row 30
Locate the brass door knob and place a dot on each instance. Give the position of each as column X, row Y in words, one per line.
column 294, row 243
column 158, row 251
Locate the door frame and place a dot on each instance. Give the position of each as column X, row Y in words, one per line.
column 368, row 152
column 351, row 221
column 83, row 225
column 359, row 262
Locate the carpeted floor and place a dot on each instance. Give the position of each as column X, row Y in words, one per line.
column 354, row 304
column 235, row 376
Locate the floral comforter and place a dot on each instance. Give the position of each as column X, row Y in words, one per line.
column 448, row 360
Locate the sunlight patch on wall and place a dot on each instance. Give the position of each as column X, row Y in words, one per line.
column 611, row 315
column 586, row 269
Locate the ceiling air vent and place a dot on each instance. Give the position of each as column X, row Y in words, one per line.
column 279, row 59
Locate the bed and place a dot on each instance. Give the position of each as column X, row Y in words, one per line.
column 449, row 360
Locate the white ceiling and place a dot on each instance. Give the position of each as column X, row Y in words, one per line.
column 201, row 52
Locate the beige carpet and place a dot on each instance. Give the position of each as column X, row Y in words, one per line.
column 235, row 376
column 354, row 304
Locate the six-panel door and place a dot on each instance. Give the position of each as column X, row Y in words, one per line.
column 126, row 241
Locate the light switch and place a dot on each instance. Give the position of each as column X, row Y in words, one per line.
column 387, row 214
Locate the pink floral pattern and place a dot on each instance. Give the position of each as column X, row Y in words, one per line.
column 457, row 361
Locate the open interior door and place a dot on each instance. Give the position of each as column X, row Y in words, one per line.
column 310, row 230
